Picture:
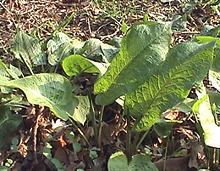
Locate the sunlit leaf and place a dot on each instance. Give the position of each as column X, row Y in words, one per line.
column 51, row 90
column 61, row 46
column 28, row 50
column 214, row 77
column 142, row 50
column 185, row 65
column 82, row 109
column 118, row 162
column 98, row 51
column 77, row 64
column 203, row 109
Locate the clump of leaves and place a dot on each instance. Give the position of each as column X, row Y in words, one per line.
column 150, row 75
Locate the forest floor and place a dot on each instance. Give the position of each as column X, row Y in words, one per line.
column 84, row 19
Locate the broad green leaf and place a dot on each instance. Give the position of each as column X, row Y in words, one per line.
column 203, row 109
column 185, row 65
column 163, row 128
column 3, row 168
column 9, row 72
column 8, row 124
column 77, row 64
column 61, row 46
column 51, row 90
column 82, row 109
column 142, row 162
column 216, row 60
column 214, row 98
column 115, row 41
column 4, row 75
column 143, row 49
column 28, row 50
column 214, row 77
column 210, row 31
column 185, row 106
column 139, row 162
column 64, row 50
column 14, row 72
column 118, row 162
column 207, row 39
column 57, row 39
column 179, row 22
column 98, row 51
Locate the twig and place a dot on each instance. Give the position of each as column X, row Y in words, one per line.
column 81, row 133
column 35, row 129
column 1, row 4
column 128, row 140
column 100, row 128
column 142, row 139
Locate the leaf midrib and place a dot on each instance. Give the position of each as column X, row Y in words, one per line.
column 132, row 59
column 165, row 83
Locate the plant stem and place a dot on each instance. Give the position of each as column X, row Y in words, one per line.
column 165, row 157
column 92, row 111
column 128, row 140
column 81, row 132
column 100, row 127
column 141, row 140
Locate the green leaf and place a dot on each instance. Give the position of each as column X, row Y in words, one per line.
column 82, row 109
column 51, row 90
column 28, row 50
column 210, row 31
column 185, row 65
column 98, row 51
column 179, row 22
column 77, row 64
column 216, row 60
column 203, row 109
column 118, row 162
column 115, row 41
column 140, row 162
column 14, row 72
column 185, row 106
column 142, row 50
column 3, row 168
column 163, row 128
column 207, row 39
column 9, row 72
column 214, row 98
column 214, row 77
column 8, row 124
column 61, row 46
column 124, row 27
column 63, row 51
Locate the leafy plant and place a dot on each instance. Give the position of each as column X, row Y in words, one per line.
column 142, row 162
column 152, row 76
column 51, row 90
column 28, row 50
column 135, row 62
column 8, row 124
